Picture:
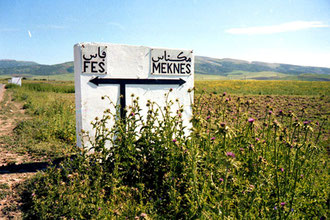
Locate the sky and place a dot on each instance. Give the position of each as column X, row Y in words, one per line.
column 277, row 31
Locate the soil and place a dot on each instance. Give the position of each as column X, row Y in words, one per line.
column 11, row 112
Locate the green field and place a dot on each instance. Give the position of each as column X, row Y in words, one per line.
column 57, row 77
column 264, row 75
column 258, row 150
column 241, row 87
column 254, row 87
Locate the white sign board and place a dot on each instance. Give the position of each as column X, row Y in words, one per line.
column 115, row 70
column 16, row 80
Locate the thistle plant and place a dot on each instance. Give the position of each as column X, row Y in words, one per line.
column 232, row 164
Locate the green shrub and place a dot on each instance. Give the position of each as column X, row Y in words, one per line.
column 229, row 166
column 48, row 87
column 11, row 86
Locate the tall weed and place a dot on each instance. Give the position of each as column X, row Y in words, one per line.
column 50, row 127
column 231, row 165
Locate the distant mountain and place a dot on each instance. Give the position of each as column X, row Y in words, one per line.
column 224, row 67
column 38, row 69
column 205, row 68
column 15, row 63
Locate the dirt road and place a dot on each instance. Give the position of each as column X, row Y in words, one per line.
column 10, row 114
column 2, row 89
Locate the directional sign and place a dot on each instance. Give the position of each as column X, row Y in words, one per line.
column 16, row 80
column 98, row 81
column 122, row 82
column 118, row 71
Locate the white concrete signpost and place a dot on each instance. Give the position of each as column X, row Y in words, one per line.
column 121, row 70
column 17, row 80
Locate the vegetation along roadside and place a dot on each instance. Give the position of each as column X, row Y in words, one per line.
column 248, row 156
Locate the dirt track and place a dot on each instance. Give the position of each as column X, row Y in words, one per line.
column 2, row 89
column 10, row 114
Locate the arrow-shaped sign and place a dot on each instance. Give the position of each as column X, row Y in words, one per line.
column 97, row 81
column 122, row 82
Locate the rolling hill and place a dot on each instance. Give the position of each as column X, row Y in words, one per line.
column 258, row 70
column 205, row 68
column 14, row 63
column 37, row 69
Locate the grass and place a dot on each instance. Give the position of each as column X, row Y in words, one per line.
column 235, row 75
column 246, row 87
column 264, row 75
column 248, row 156
column 58, row 77
column 4, row 186
column 4, row 194
column 200, row 77
column 241, row 75
column 58, row 87
column 50, row 129
column 253, row 87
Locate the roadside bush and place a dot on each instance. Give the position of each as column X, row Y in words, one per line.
column 230, row 166
column 11, row 85
column 47, row 87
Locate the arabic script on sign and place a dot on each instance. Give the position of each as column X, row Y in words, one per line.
column 94, row 59
column 171, row 62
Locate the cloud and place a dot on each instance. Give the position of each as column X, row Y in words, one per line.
column 118, row 25
column 30, row 35
column 285, row 27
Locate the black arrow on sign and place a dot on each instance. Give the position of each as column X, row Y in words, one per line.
column 97, row 81
column 122, row 82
